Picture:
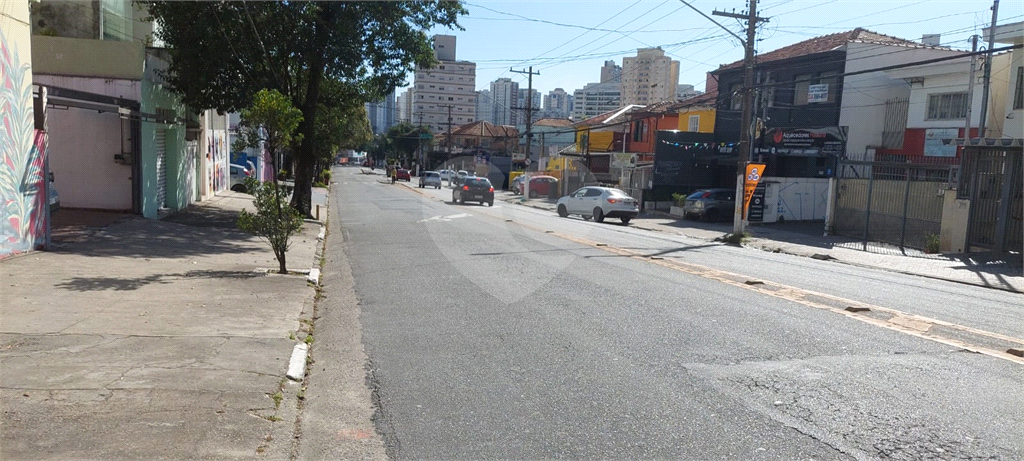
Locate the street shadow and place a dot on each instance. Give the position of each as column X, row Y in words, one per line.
column 85, row 284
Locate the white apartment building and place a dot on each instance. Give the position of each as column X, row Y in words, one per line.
column 521, row 105
column 611, row 72
column 558, row 104
column 649, row 77
column 403, row 106
column 596, row 99
column 505, row 95
column 485, row 106
column 447, row 90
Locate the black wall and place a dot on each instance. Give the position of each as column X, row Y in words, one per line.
column 782, row 113
column 684, row 168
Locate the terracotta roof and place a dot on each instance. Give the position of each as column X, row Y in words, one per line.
column 555, row 122
column 824, row 43
column 483, row 128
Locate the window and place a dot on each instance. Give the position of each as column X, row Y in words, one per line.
column 638, row 131
column 1018, row 94
column 947, row 106
column 694, row 123
column 801, row 83
column 736, row 97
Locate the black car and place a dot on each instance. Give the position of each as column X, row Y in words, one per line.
column 474, row 189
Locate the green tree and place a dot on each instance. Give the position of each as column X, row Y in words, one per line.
column 406, row 140
column 316, row 53
column 270, row 122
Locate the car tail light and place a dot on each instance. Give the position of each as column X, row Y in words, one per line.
column 706, row 195
column 611, row 200
column 492, row 190
column 247, row 174
column 465, row 187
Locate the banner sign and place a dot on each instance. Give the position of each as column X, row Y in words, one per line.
column 804, row 141
column 753, row 176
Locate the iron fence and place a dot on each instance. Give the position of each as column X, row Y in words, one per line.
column 893, row 202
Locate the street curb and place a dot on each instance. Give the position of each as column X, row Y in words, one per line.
column 297, row 363
column 769, row 248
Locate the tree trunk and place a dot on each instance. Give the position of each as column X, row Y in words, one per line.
column 305, row 156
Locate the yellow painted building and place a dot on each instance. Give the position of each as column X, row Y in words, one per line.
column 699, row 119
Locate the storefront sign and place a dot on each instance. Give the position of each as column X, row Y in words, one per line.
column 804, row 141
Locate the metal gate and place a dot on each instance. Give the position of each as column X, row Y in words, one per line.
column 993, row 182
column 161, row 168
column 891, row 201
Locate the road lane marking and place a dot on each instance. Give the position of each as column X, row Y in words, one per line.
column 980, row 341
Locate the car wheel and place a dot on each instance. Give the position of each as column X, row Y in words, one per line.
column 711, row 215
column 238, row 188
column 454, row 200
column 534, row 194
column 625, row 220
column 490, row 203
column 598, row 214
column 562, row 211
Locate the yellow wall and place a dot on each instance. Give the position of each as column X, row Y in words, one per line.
column 600, row 141
column 707, row 119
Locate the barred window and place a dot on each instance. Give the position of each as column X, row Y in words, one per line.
column 947, row 106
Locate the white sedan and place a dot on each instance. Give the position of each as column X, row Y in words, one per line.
column 599, row 203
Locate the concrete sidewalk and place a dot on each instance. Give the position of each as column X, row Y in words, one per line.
column 146, row 339
column 993, row 271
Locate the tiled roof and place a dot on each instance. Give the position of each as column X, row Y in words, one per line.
column 600, row 119
column 484, row 128
column 554, row 122
column 824, row 43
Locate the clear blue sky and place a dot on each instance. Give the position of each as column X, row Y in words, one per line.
column 567, row 41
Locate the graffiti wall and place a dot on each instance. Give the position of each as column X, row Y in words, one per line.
column 24, row 220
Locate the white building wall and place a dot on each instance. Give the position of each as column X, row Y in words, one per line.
column 504, row 94
column 451, row 83
column 917, row 114
column 1013, row 119
column 864, row 95
column 82, row 147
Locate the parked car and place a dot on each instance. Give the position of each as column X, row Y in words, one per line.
column 403, row 175
column 474, row 189
column 540, row 186
column 239, row 174
column 514, row 185
column 710, row 204
column 430, row 178
column 599, row 203
column 54, row 196
column 459, row 177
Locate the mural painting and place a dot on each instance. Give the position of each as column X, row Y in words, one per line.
column 23, row 204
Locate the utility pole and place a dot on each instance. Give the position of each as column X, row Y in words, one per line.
column 419, row 140
column 988, row 70
column 449, row 106
column 529, row 107
column 970, row 87
column 745, row 148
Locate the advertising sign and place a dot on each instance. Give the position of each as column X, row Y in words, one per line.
column 817, row 93
column 804, row 141
column 933, row 145
column 753, row 176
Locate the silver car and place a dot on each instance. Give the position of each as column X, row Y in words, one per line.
column 430, row 178
column 599, row 203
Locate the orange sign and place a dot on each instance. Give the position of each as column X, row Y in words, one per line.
column 754, row 173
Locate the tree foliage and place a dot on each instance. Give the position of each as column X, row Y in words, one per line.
column 271, row 121
column 321, row 55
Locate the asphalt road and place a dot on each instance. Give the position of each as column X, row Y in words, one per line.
column 509, row 333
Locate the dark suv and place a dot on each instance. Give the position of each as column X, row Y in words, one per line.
column 474, row 189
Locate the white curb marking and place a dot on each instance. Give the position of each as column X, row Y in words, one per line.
column 297, row 364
